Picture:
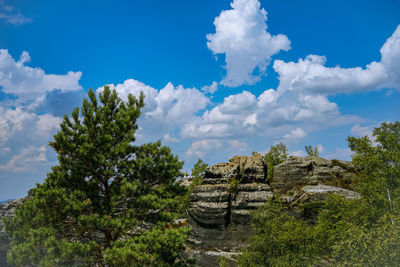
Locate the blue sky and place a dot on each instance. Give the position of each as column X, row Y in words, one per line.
column 221, row 78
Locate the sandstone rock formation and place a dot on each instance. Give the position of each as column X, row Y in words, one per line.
column 229, row 191
column 312, row 176
column 220, row 207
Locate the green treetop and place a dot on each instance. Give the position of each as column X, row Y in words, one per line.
column 310, row 151
column 342, row 232
column 107, row 202
column 276, row 155
column 198, row 171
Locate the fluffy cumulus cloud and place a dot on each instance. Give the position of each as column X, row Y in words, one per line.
column 20, row 130
column 390, row 53
column 211, row 89
column 166, row 109
column 241, row 34
column 29, row 84
column 200, row 147
column 300, row 103
column 26, row 160
column 311, row 76
column 12, row 121
column 27, row 121
column 294, row 136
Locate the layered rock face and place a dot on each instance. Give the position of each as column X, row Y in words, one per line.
column 220, row 207
column 301, row 179
column 229, row 191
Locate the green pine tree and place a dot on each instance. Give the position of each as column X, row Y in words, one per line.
column 276, row 155
column 107, row 202
column 198, row 171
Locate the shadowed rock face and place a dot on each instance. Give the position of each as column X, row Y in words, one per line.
column 229, row 191
column 220, row 207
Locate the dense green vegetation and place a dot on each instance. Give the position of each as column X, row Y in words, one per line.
column 362, row 232
column 276, row 155
column 107, row 202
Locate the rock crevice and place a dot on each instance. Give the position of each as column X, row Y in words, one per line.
column 220, row 207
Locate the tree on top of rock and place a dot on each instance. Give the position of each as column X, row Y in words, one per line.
column 311, row 152
column 276, row 155
column 107, row 202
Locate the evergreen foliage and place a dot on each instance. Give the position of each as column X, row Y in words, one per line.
column 361, row 232
column 276, row 155
column 198, row 172
column 107, row 202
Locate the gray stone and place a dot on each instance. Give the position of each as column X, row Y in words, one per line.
column 297, row 172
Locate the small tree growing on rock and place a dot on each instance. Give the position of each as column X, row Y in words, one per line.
column 198, row 171
column 107, row 202
column 311, row 152
column 276, row 155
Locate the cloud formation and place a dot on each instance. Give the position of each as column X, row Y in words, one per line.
column 311, row 76
column 12, row 15
column 241, row 34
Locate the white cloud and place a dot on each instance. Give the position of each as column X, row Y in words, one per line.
column 26, row 160
column 390, row 53
column 46, row 124
column 340, row 153
column 200, row 148
column 177, row 103
column 30, row 83
column 361, row 131
column 170, row 104
column 237, row 145
column 12, row 15
column 134, row 87
column 170, row 139
column 241, row 34
column 295, row 136
column 310, row 76
column 211, row 89
column 320, row 148
column 11, row 121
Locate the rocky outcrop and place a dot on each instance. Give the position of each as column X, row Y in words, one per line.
column 6, row 210
column 220, row 208
column 229, row 191
column 312, row 176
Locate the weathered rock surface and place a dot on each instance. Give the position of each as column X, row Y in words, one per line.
column 229, row 191
column 296, row 172
column 220, row 207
